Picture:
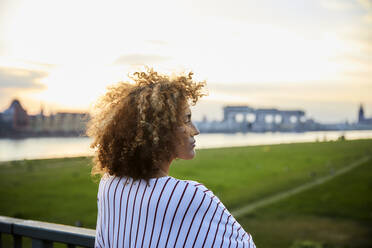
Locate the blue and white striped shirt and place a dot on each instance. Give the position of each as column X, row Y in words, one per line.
column 166, row 213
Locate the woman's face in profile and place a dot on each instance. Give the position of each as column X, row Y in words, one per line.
column 185, row 150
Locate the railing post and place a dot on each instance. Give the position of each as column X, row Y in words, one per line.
column 17, row 241
column 37, row 243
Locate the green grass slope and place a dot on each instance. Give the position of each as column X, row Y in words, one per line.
column 335, row 214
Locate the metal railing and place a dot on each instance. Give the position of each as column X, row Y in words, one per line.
column 44, row 234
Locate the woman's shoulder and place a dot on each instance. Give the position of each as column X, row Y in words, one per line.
column 197, row 185
column 198, row 188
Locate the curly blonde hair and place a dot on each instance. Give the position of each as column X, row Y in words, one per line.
column 134, row 127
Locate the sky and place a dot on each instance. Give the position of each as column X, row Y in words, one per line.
column 314, row 56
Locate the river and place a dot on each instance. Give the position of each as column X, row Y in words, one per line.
column 34, row 148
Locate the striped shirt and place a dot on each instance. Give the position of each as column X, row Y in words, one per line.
column 166, row 213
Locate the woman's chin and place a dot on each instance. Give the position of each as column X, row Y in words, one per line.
column 191, row 155
column 188, row 156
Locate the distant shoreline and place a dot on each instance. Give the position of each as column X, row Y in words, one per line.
column 25, row 135
column 85, row 155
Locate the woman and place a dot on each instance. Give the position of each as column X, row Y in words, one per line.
column 138, row 131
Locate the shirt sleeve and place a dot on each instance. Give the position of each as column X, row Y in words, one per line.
column 216, row 227
column 230, row 233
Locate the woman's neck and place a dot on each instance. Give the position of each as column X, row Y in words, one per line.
column 163, row 169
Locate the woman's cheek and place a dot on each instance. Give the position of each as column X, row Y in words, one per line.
column 182, row 129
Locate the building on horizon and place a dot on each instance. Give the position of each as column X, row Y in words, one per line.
column 247, row 119
column 14, row 119
column 244, row 118
column 15, row 122
column 362, row 120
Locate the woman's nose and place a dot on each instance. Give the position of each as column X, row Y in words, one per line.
column 195, row 130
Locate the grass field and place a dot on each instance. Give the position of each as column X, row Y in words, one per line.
column 335, row 214
column 61, row 190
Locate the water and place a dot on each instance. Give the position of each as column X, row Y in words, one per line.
column 33, row 148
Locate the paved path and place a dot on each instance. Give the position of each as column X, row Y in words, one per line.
column 269, row 200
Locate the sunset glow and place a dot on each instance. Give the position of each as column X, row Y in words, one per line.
column 309, row 55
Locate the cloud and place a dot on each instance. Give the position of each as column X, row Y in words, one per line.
column 282, row 93
column 15, row 78
column 367, row 4
column 362, row 7
column 362, row 61
column 140, row 59
column 360, row 38
column 39, row 64
column 157, row 42
column 2, row 47
column 338, row 5
column 368, row 19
